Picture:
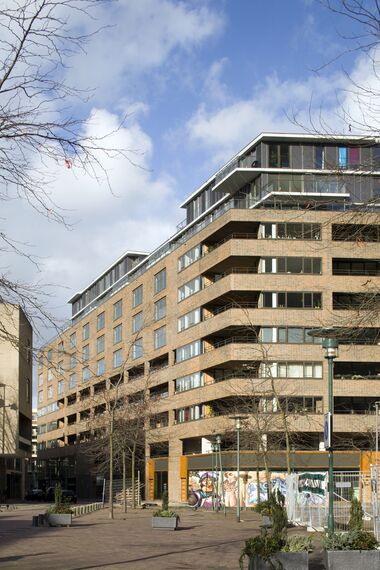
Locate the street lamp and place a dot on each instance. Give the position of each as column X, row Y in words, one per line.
column 214, row 450
column 238, row 420
column 330, row 344
column 218, row 441
column 3, row 405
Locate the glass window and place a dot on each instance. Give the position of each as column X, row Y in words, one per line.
column 160, row 309
column 40, row 379
column 160, row 281
column 100, row 367
column 61, row 387
column 137, row 322
column 100, row 321
column 137, row 348
column 117, row 333
column 189, row 257
column 117, row 310
column 86, row 331
column 73, row 340
column 319, row 156
column 118, row 358
column 190, row 319
column 267, row 334
column 189, row 382
column 85, row 374
column 137, row 296
column 50, row 392
column 279, row 156
column 188, row 351
column 60, row 347
column 295, row 335
column 73, row 360
column 72, row 381
column 160, row 337
column 100, row 342
column 49, row 355
column 342, row 157
column 40, row 396
column 50, row 375
column 189, row 288
column 60, row 367
column 86, row 353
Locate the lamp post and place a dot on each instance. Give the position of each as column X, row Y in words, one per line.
column 238, row 420
column 218, row 440
column 212, row 475
column 215, row 492
column 330, row 344
column 377, row 471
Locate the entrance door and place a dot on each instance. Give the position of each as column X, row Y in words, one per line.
column 160, row 483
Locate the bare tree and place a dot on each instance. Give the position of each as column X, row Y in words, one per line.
column 37, row 126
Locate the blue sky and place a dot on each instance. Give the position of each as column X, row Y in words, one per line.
column 198, row 80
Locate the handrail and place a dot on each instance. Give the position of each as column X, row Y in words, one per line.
column 233, row 339
column 223, row 308
column 212, row 247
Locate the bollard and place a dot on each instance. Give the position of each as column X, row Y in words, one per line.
column 35, row 520
column 41, row 520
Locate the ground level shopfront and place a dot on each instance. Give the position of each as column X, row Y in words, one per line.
column 200, row 473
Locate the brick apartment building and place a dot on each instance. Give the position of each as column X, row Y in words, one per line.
column 215, row 322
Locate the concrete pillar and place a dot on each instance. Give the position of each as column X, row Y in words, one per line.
column 174, row 475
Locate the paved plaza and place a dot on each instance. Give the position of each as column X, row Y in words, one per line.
column 205, row 540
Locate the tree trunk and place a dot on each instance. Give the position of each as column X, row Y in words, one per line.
column 133, row 454
column 124, row 485
column 111, row 469
column 258, row 485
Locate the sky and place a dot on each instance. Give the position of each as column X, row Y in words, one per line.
column 196, row 80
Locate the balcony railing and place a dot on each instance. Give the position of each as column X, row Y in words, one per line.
column 214, row 246
column 231, row 340
column 228, row 306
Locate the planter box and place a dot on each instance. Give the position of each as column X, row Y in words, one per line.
column 59, row 519
column 165, row 523
column 352, row 559
column 283, row 560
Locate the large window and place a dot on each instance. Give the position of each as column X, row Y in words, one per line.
column 189, row 288
column 73, row 360
column 291, row 370
column 137, row 322
column 117, row 309
column 188, row 351
column 50, row 392
column 189, row 414
column 292, row 300
column 160, row 281
column 288, row 335
column 190, row 319
column 86, row 353
column 137, row 296
column 311, row 265
column 40, row 379
column 50, row 377
column 290, row 230
column 160, row 309
column 137, row 349
column 86, row 374
column 72, row 381
column 100, row 343
column 61, row 369
column 86, row 331
column 40, row 396
column 189, row 382
column 117, row 333
column 319, row 160
column 189, row 257
column 279, row 156
column 118, row 358
column 348, row 157
column 73, row 340
column 160, row 337
column 61, row 387
column 100, row 367
column 100, row 321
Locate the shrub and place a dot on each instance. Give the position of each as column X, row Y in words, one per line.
column 356, row 515
column 264, row 508
column 165, row 501
column 60, row 507
column 162, row 513
column 298, row 544
column 355, row 539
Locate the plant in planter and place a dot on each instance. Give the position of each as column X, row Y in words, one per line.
column 264, row 508
column 60, row 514
column 164, row 518
column 274, row 550
column 354, row 549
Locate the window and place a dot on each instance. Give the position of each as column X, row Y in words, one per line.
column 290, row 335
column 50, row 375
column 291, row 230
column 189, row 288
column 137, row 348
column 117, row 333
column 279, row 156
column 137, row 322
column 72, row 381
column 100, row 342
column 319, row 156
column 310, row 265
column 40, row 396
column 342, row 157
column 100, row 321
column 100, row 367
column 49, row 355
column 292, row 300
column 190, row 319
column 291, row 370
column 160, row 337
column 61, row 387
column 73, row 360
column 137, row 296
column 189, row 414
column 160, row 309
column 117, row 310
column 73, row 340
column 60, row 347
column 86, row 353
column 50, row 392
column 160, row 281
column 60, row 367
column 189, row 382
column 86, row 331
column 189, row 257
column 40, row 379
column 188, row 351
column 118, row 358
column 28, row 390
column 85, row 374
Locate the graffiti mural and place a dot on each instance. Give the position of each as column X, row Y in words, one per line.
column 210, row 488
